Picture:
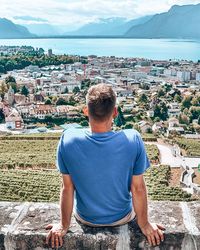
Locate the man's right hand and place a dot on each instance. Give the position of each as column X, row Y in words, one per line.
column 153, row 232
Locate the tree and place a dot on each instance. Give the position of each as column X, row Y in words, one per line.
column 164, row 111
column 119, row 120
column 76, row 90
column 2, row 116
column 85, row 84
column 2, row 69
column 25, row 91
column 186, row 103
column 195, row 101
column 195, row 113
column 3, row 89
column 66, row 91
column 84, row 123
column 71, row 101
column 157, row 111
column 161, row 93
column 143, row 98
column 161, row 111
column 183, row 119
column 128, row 126
column 199, row 120
column 61, row 101
column 177, row 98
column 167, row 87
column 10, row 79
column 48, row 102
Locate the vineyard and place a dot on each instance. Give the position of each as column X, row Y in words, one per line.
column 40, row 154
column 22, row 185
column 157, row 180
column 28, row 172
column 149, row 137
column 153, row 153
column 192, row 147
column 27, row 154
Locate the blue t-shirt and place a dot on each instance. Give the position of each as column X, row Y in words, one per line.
column 101, row 166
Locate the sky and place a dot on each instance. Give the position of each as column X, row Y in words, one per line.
column 79, row 12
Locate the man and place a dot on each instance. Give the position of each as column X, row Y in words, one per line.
column 105, row 169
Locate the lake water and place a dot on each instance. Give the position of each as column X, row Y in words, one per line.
column 145, row 48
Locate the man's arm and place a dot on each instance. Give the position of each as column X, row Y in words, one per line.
column 66, row 201
column 152, row 231
column 66, row 207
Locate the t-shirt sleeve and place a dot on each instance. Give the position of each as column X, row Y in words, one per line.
column 142, row 162
column 60, row 163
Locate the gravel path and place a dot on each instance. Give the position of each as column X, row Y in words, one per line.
column 167, row 157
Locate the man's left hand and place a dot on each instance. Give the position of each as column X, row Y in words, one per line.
column 55, row 235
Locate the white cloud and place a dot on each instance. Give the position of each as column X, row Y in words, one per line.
column 77, row 12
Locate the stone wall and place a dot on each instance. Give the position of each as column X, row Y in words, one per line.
column 22, row 227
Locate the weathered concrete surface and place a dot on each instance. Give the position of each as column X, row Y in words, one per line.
column 22, row 227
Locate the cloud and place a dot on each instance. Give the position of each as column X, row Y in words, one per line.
column 30, row 18
column 77, row 12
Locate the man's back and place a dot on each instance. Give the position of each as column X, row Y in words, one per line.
column 101, row 166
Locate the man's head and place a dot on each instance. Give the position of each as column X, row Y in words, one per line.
column 101, row 101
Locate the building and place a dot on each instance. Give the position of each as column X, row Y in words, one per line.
column 174, row 112
column 144, row 126
column 184, row 76
column 10, row 96
column 198, row 76
column 14, row 121
column 50, row 52
column 158, row 127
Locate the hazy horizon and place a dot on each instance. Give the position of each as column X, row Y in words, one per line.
column 74, row 14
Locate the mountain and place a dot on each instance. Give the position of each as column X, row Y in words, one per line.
column 37, row 25
column 10, row 30
column 178, row 22
column 129, row 24
column 100, row 27
column 42, row 29
column 108, row 27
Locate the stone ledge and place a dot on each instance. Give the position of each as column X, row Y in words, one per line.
column 22, row 227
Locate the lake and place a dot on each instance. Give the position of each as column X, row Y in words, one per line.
column 145, row 48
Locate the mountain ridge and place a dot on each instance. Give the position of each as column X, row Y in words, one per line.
column 179, row 22
column 8, row 29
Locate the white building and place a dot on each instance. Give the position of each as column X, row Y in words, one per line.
column 184, row 76
column 174, row 112
column 14, row 120
column 167, row 72
column 10, row 96
column 198, row 76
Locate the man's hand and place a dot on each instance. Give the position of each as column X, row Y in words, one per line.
column 55, row 236
column 154, row 233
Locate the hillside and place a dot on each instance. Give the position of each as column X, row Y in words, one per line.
column 10, row 30
column 178, row 22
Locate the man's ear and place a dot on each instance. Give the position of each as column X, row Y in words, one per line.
column 115, row 112
column 85, row 111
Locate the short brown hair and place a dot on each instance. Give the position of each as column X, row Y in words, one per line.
column 101, row 100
